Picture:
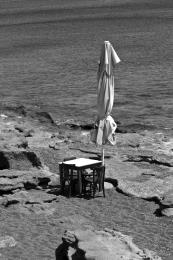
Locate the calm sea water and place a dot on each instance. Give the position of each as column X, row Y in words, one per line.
column 49, row 52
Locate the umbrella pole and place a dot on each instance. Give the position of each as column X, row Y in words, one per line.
column 103, row 156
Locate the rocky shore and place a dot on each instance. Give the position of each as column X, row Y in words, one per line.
column 139, row 167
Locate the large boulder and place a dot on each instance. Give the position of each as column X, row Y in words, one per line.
column 100, row 245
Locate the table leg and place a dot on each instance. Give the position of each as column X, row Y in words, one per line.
column 79, row 172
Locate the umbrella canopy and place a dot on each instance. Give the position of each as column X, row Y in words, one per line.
column 105, row 131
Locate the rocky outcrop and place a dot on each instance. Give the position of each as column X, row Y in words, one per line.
column 30, row 112
column 19, row 160
column 167, row 204
column 11, row 179
column 31, row 201
column 98, row 245
column 139, row 165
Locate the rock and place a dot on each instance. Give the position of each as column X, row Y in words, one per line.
column 19, row 160
column 161, row 159
column 30, row 197
column 136, row 181
column 42, row 116
column 12, row 179
column 101, row 245
column 7, row 241
column 108, row 185
column 40, row 139
column 54, row 180
column 3, row 201
column 10, row 184
column 152, row 188
column 24, row 131
column 35, row 113
column 168, row 199
column 167, row 212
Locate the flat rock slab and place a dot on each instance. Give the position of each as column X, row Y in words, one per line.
column 30, row 197
column 151, row 188
column 140, row 182
column 13, row 179
column 101, row 245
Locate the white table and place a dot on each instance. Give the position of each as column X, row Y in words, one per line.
column 79, row 165
column 83, row 162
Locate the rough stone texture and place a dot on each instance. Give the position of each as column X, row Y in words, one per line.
column 101, row 245
column 11, row 179
column 108, row 186
column 7, row 241
column 140, row 164
column 30, row 197
column 147, row 189
column 168, row 212
column 19, row 160
column 27, row 202
column 168, row 199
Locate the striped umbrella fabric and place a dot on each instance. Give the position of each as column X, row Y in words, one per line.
column 105, row 125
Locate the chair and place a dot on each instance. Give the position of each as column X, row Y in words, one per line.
column 67, row 176
column 94, row 180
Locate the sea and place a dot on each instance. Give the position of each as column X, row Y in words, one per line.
column 49, row 52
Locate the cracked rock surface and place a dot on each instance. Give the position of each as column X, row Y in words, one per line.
column 138, row 167
column 100, row 245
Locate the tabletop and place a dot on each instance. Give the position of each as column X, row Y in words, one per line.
column 82, row 162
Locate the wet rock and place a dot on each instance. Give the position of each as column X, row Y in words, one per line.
column 35, row 112
column 14, row 109
column 98, row 245
column 43, row 117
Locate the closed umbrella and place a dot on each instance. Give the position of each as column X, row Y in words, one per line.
column 105, row 125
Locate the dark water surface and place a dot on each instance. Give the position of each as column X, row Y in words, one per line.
column 49, row 52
